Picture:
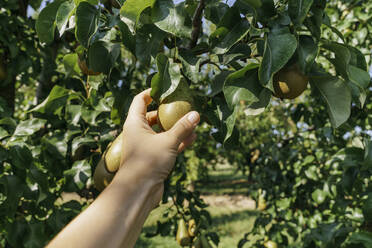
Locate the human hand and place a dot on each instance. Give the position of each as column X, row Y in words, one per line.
column 148, row 154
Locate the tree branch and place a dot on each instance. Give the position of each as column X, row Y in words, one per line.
column 196, row 24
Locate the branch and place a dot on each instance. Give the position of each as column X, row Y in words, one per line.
column 196, row 24
column 208, row 61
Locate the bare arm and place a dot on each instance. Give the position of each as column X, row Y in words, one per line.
column 116, row 217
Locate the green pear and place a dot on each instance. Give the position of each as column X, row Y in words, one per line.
column 175, row 106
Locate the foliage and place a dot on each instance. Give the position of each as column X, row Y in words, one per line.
column 63, row 120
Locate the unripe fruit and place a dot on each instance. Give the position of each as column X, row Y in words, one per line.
column 261, row 203
column 289, row 82
column 192, row 228
column 84, row 68
column 175, row 106
column 101, row 176
column 182, row 237
column 109, row 164
column 113, row 154
column 270, row 244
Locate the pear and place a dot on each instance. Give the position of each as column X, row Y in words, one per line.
column 182, row 237
column 102, row 177
column 175, row 106
column 289, row 82
column 109, row 164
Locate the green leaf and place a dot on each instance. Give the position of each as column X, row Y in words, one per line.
column 307, row 51
column 367, row 208
column 64, row 13
column 82, row 141
column 45, row 23
column 279, row 48
column 14, row 188
column 171, row 18
column 314, row 22
column 346, row 62
column 29, row 127
column 3, row 134
column 103, row 55
column 39, row 177
column 228, row 21
column 364, row 238
column 242, row 85
column 131, row 11
column 229, row 122
column 337, row 96
column 56, row 145
column 223, row 118
column 36, row 236
column 21, row 156
column 342, row 57
column 238, row 51
column 214, row 11
column 266, row 11
column 70, row 62
column 57, row 99
column 148, row 41
column 86, row 22
column 79, row 174
column 319, row 196
column 128, row 39
column 234, row 35
column 298, row 10
column 166, row 80
column 218, row 82
column 190, row 64
column 368, row 153
column 254, row 3
column 258, row 107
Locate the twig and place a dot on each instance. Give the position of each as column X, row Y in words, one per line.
column 196, row 24
column 208, row 61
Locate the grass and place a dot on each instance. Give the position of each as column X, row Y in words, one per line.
column 230, row 223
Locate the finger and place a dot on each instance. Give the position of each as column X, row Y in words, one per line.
column 187, row 142
column 184, row 127
column 152, row 117
column 139, row 104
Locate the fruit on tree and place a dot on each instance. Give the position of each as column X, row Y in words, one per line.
column 109, row 164
column 182, row 237
column 192, row 228
column 289, row 82
column 113, row 154
column 270, row 244
column 261, row 204
column 84, row 68
column 102, row 177
column 175, row 106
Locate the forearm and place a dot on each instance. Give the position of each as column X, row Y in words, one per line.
column 116, row 217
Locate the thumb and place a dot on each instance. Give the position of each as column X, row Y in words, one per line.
column 184, row 127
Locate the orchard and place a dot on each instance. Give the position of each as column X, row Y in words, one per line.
column 283, row 88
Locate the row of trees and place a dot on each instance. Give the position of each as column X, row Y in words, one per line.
column 69, row 75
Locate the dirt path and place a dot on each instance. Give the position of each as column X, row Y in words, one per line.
column 230, row 201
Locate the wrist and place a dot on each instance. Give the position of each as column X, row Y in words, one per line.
column 135, row 175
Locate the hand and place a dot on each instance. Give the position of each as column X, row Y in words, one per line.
column 152, row 155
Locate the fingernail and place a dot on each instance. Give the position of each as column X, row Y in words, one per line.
column 193, row 117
